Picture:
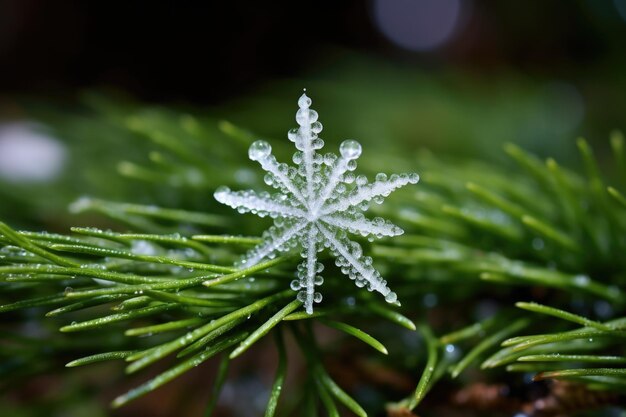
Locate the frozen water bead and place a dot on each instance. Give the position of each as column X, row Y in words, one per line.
column 392, row 297
column 350, row 149
column 259, row 150
column 316, row 127
column 306, row 116
column 220, row 192
column 304, row 101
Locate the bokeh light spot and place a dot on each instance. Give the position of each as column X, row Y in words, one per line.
column 417, row 25
column 27, row 155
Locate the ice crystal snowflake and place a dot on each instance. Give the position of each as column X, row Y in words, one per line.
column 316, row 203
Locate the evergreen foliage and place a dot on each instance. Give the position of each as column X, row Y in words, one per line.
column 538, row 245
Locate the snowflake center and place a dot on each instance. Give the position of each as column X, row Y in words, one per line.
column 313, row 213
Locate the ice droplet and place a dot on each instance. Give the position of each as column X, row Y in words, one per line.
column 304, row 101
column 259, row 150
column 392, row 297
column 316, row 127
column 350, row 149
column 221, row 193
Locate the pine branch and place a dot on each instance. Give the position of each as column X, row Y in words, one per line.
column 473, row 230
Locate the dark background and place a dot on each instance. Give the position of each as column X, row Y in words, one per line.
column 203, row 52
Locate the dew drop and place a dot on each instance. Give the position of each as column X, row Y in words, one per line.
column 350, row 149
column 304, row 101
column 292, row 134
column 392, row 297
column 305, row 116
column 329, row 159
column 318, row 144
column 259, row 150
column 316, row 127
column 348, row 178
column 221, row 191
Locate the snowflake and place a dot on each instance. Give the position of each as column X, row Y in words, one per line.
column 316, row 203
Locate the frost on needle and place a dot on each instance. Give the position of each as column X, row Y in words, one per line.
column 316, row 203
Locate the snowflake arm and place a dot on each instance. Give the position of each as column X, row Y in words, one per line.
column 307, row 273
column 378, row 227
column 350, row 259
column 377, row 190
column 306, row 140
column 279, row 175
column 275, row 239
column 350, row 150
column 318, row 201
column 261, row 204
